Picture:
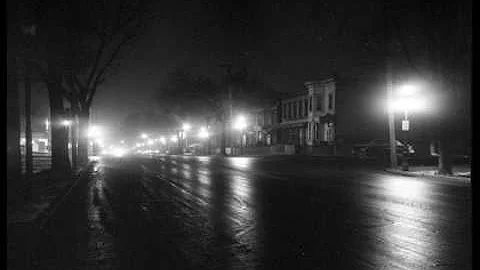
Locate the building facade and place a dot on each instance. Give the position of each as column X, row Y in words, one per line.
column 305, row 119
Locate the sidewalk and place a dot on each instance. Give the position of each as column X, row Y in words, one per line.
column 25, row 218
column 45, row 195
column 460, row 172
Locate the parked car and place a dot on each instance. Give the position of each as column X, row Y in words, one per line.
column 380, row 148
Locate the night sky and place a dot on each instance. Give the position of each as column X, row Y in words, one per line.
column 283, row 42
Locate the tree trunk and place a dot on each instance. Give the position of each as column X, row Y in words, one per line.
column 83, row 118
column 74, row 142
column 223, row 141
column 13, row 124
column 28, row 122
column 445, row 161
column 60, row 161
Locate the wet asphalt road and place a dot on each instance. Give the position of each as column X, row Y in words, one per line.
column 256, row 213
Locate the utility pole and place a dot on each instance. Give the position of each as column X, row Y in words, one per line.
column 28, row 31
column 28, row 121
column 230, row 116
column 389, row 88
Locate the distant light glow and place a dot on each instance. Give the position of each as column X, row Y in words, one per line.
column 150, row 142
column 203, row 134
column 122, row 142
column 118, row 152
column 163, row 140
column 186, row 126
column 94, row 132
column 407, row 103
column 144, row 136
column 240, row 123
column 174, row 138
column 66, row 123
column 99, row 142
column 407, row 90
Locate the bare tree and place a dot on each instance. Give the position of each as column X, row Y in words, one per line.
column 184, row 95
column 449, row 48
column 100, row 32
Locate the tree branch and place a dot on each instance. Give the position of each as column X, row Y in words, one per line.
column 101, row 74
column 96, row 62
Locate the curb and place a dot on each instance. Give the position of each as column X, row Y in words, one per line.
column 465, row 180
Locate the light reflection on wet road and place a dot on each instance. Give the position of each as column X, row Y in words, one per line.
column 255, row 213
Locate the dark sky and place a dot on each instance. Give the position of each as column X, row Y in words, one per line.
column 284, row 42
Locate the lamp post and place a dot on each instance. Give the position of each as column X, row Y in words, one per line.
column 67, row 123
column 185, row 127
column 403, row 100
column 240, row 124
column 203, row 134
column 391, row 120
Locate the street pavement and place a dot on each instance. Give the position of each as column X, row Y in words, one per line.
column 186, row 212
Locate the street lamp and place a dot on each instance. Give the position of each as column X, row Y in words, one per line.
column 240, row 124
column 144, row 136
column 66, row 123
column 405, row 99
column 95, row 133
column 203, row 133
column 186, row 127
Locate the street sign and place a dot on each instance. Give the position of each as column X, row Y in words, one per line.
column 405, row 125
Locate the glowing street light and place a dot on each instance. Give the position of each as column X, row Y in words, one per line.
column 95, row 132
column 405, row 99
column 122, row 142
column 163, row 140
column 144, row 136
column 173, row 138
column 150, row 142
column 66, row 123
column 240, row 123
column 203, row 134
column 99, row 142
column 186, row 127
column 47, row 124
